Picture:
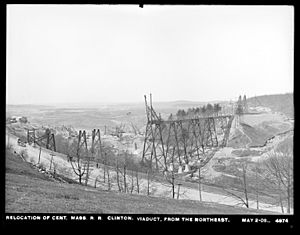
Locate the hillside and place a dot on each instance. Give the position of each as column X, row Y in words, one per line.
column 278, row 103
column 251, row 139
column 28, row 191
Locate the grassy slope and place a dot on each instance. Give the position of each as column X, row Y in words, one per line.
column 30, row 191
column 258, row 136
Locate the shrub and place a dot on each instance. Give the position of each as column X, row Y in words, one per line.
column 67, row 196
column 55, row 167
column 42, row 165
column 219, row 167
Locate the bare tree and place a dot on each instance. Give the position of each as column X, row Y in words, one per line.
column 96, row 181
column 199, row 173
column 87, row 175
column 259, row 185
column 279, row 174
column 256, row 187
column 118, row 173
column 51, row 160
column 108, row 179
column 200, row 183
column 124, row 178
column 104, row 173
column 40, row 155
column 137, row 182
column 150, row 177
column 132, row 182
column 244, row 168
column 79, row 168
column 170, row 178
column 170, row 174
column 77, row 150
column 243, row 186
column 178, row 190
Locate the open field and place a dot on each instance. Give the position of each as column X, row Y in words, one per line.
column 90, row 116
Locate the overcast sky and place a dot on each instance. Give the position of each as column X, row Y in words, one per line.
column 114, row 53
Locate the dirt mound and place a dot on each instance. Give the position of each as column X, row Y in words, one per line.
column 257, row 136
column 238, row 139
column 255, row 130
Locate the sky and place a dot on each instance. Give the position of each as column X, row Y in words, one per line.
column 119, row 53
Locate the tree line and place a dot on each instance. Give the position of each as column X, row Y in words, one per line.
column 203, row 111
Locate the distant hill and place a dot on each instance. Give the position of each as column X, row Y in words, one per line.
column 278, row 103
column 30, row 106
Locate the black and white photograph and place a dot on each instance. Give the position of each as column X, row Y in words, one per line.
column 145, row 112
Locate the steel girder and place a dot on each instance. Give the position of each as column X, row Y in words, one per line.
column 47, row 140
column 182, row 141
